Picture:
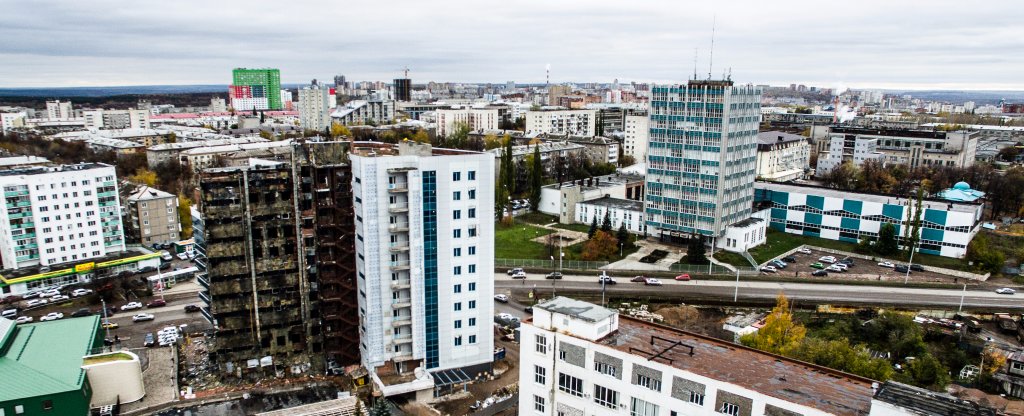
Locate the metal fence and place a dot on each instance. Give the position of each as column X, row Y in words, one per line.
column 596, row 265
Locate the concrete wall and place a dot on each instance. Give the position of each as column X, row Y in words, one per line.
column 115, row 380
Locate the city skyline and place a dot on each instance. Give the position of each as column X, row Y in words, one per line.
column 952, row 46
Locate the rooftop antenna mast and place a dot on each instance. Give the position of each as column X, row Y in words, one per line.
column 694, row 64
column 406, row 69
column 711, row 55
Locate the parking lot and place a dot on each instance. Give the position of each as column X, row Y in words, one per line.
column 862, row 269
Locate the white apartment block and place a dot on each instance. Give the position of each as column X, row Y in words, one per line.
column 361, row 112
column 12, row 120
column 116, row 119
column 580, row 359
column 315, row 107
column 59, row 214
column 218, row 105
column 635, row 133
column 154, row 216
column 620, row 212
column 59, row 110
column 488, row 118
column 562, row 122
column 425, row 261
column 854, row 150
column 782, row 156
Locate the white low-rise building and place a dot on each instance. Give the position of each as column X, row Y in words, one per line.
column 619, row 211
column 782, row 157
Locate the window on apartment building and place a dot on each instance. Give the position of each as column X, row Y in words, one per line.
column 649, row 382
column 730, row 409
column 144, row 205
column 472, row 286
column 458, row 340
column 456, row 196
column 570, row 384
column 457, row 233
column 640, row 407
column 457, row 214
column 457, row 271
column 472, row 231
column 606, row 397
column 605, row 368
column 457, row 289
column 456, row 176
column 472, row 250
column 472, row 175
column 472, row 194
column 472, row 268
column 458, row 306
column 457, row 252
column 472, row 339
column 538, row 404
column 541, row 344
column 540, row 374
column 458, row 324
column 472, row 304
column 696, row 398
column 472, row 322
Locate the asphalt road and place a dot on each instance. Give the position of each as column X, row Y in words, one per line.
column 719, row 291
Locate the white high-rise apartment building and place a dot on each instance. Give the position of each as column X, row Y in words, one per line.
column 475, row 118
column 218, row 105
column 635, row 133
column 562, row 122
column 425, row 260
column 315, row 107
column 59, row 214
column 116, row 119
column 59, row 110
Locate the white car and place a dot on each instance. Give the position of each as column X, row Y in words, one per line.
column 652, row 282
column 827, row 259
column 52, row 316
column 23, row 319
column 182, row 256
column 49, row 293
column 1005, row 291
column 843, row 266
column 59, row 298
column 173, row 330
column 80, row 292
column 886, row 264
column 143, row 317
column 769, row 269
column 804, row 251
column 835, row 268
column 132, row 306
column 519, row 275
column 36, row 302
column 501, row 298
column 167, row 341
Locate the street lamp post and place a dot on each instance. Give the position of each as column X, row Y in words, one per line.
column 736, row 292
column 962, row 294
column 906, row 279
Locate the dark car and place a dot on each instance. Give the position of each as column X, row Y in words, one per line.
column 916, row 268
column 554, row 275
column 191, row 308
column 528, row 309
column 847, row 261
column 147, row 269
column 156, row 303
column 165, row 266
column 81, row 312
column 819, row 273
column 638, row 279
column 149, row 340
column 900, row 269
column 789, row 259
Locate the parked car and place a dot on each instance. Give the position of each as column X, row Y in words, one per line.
column 81, row 312
column 827, row 259
column 847, row 261
column 80, row 292
column 901, row 269
column 804, row 251
column 165, row 266
column 554, row 275
column 835, row 268
column 52, row 316
column 513, row 271
column 143, row 317
column 165, row 256
column 769, row 269
column 501, row 298
column 36, row 302
column 59, row 298
column 1005, row 291
column 685, row 277
column 817, row 265
column 149, row 342
column 147, row 269
column 639, row 279
column 789, row 259
column 886, row 264
column 778, row 264
column 49, row 293
column 156, row 303
column 182, row 256
column 24, row 319
column 131, row 306
column 916, row 268
column 819, row 273
column 528, row 309
column 192, row 308
column 841, row 266
column 652, row 282
column 519, row 275
column 9, row 313
column 110, row 325
column 605, row 279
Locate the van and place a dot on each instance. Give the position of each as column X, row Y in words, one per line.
column 166, row 256
column 9, row 313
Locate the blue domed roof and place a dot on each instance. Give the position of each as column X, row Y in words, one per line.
column 962, row 186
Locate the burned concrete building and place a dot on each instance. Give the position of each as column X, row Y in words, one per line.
column 277, row 266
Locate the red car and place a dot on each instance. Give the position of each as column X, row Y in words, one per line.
column 156, row 303
column 683, row 277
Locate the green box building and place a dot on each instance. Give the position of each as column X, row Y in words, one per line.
column 251, row 88
column 41, row 366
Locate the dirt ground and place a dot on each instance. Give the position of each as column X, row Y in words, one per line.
column 862, row 270
column 704, row 321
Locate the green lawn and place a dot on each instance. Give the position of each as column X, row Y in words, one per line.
column 537, row 217
column 514, row 242
column 575, row 252
column 574, row 227
column 731, row 258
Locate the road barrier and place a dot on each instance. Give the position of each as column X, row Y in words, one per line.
column 602, row 265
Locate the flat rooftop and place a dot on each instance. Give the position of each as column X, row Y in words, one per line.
column 577, row 309
column 928, row 203
column 920, row 134
column 26, row 274
column 777, row 137
column 36, row 170
column 46, row 357
column 626, row 204
column 928, row 402
column 22, row 161
column 794, row 381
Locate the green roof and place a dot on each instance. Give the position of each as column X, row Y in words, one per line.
column 44, row 358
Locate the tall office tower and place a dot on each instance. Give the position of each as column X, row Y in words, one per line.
column 424, row 221
column 315, row 107
column 701, row 157
column 403, row 89
column 277, row 262
column 255, row 89
column 59, row 214
column 59, row 110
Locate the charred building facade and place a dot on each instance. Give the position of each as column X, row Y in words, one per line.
column 277, row 262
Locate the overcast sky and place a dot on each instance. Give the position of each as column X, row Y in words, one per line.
column 864, row 44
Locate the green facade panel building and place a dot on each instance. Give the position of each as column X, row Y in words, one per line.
column 258, row 83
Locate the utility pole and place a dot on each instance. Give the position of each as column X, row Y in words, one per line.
column 962, row 294
column 736, row 292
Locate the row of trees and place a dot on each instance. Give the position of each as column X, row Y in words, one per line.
column 602, row 243
column 1004, row 189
